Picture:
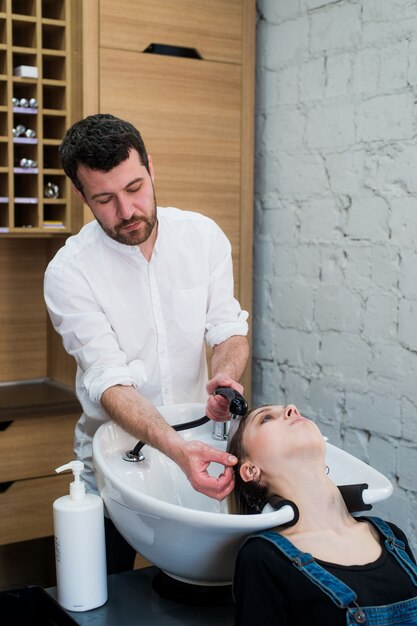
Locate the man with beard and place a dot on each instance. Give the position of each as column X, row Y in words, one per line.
column 135, row 296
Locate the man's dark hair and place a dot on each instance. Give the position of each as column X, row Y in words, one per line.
column 100, row 142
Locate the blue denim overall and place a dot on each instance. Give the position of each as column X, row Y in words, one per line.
column 400, row 613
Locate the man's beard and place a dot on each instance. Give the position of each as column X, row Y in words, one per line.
column 135, row 237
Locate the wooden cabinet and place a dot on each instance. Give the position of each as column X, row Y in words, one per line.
column 214, row 28
column 189, row 113
column 37, row 421
column 35, row 87
column 26, row 508
column 196, row 116
column 35, row 446
column 37, row 210
column 35, row 217
column 183, row 73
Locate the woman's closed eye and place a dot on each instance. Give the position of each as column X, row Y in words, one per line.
column 266, row 417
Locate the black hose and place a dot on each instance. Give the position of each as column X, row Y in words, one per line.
column 238, row 406
column 193, row 424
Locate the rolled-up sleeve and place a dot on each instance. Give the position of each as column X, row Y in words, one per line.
column 225, row 318
column 97, row 379
column 87, row 334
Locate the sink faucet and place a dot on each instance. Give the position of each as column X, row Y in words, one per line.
column 238, row 406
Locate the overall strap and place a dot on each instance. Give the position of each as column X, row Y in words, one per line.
column 340, row 594
column 396, row 547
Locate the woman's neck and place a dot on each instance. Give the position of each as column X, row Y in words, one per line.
column 318, row 500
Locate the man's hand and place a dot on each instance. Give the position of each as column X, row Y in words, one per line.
column 140, row 418
column 196, row 457
column 217, row 407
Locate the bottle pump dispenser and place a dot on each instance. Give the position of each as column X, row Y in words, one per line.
column 80, row 552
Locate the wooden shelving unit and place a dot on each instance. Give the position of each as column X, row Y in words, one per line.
column 39, row 427
column 34, row 114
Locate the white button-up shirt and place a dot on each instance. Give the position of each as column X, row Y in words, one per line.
column 128, row 321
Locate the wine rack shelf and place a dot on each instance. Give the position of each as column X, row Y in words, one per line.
column 35, row 101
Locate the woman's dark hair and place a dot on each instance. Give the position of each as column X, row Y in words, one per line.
column 100, row 142
column 247, row 497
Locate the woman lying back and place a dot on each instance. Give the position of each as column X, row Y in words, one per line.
column 329, row 568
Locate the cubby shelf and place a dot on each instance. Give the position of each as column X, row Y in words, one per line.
column 34, row 33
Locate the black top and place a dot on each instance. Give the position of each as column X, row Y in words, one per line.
column 270, row 591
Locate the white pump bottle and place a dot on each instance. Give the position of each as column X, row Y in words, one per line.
column 80, row 552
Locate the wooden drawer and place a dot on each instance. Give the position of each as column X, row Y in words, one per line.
column 33, row 447
column 26, row 508
column 214, row 28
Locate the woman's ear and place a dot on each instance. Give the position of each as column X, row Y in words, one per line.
column 249, row 472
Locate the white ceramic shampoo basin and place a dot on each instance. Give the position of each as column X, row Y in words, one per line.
column 186, row 534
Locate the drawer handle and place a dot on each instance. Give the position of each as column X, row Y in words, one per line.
column 173, row 51
column 5, row 425
column 5, row 486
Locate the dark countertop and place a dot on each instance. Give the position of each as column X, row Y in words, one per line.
column 133, row 602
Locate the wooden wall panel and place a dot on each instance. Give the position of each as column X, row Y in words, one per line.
column 23, row 352
column 194, row 138
column 247, row 171
column 61, row 366
column 212, row 27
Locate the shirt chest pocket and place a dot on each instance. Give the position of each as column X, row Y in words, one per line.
column 189, row 308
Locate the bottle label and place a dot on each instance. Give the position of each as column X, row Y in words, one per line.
column 58, row 553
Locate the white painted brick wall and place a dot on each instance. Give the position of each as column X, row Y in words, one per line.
column 335, row 274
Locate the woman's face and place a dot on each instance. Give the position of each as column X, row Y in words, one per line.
column 275, row 434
